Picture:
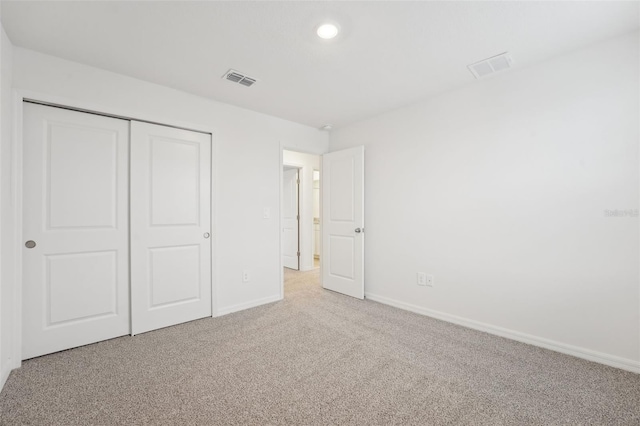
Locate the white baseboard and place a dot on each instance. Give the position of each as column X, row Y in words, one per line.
column 4, row 375
column 247, row 305
column 588, row 354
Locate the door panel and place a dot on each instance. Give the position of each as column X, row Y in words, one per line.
column 342, row 256
column 175, row 184
column 164, row 275
column 170, row 226
column 341, row 188
column 343, row 226
column 89, row 277
column 89, row 201
column 290, row 220
column 75, row 203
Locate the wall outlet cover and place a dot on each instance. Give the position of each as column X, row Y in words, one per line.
column 422, row 278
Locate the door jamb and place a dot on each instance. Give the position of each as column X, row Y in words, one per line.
column 299, row 169
column 298, row 172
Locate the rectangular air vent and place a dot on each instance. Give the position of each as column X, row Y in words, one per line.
column 238, row 77
column 247, row 81
column 491, row 65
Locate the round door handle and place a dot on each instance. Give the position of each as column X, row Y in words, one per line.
column 30, row 244
column 358, row 230
column 207, row 235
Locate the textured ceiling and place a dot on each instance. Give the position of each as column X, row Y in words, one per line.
column 389, row 54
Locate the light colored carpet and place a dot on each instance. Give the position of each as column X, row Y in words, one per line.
column 317, row 358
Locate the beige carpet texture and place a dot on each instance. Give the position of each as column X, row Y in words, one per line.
column 317, row 358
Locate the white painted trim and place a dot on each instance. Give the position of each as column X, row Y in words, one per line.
column 4, row 375
column 247, row 305
column 588, row 354
column 280, row 183
column 322, row 224
column 301, row 200
column 16, row 178
column 213, row 232
column 128, row 114
column 20, row 96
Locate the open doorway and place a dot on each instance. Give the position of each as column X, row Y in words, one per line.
column 340, row 185
column 300, row 216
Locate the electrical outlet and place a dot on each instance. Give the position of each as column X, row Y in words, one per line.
column 246, row 276
column 422, row 278
column 266, row 213
column 430, row 281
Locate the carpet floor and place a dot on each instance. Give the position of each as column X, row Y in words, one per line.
column 317, row 358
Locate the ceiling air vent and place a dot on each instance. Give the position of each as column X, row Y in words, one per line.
column 238, row 77
column 247, row 81
column 491, row 65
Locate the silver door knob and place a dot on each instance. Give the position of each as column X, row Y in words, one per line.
column 358, row 230
column 207, row 235
column 30, row 244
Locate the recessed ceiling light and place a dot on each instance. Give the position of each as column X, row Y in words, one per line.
column 327, row 31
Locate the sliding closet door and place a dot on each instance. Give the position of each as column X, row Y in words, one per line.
column 170, row 226
column 75, row 228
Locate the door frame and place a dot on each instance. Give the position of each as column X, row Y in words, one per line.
column 298, row 172
column 19, row 97
column 291, row 147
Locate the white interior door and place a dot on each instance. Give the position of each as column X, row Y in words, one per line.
column 290, row 220
column 75, row 203
column 170, row 226
column 343, row 221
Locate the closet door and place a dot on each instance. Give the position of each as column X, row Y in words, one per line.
column 170, row 226
column 75, row 228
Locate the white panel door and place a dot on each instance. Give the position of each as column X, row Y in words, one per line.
column 170, row 226
column 75, row 203
column 343, row 221
column 290, row 217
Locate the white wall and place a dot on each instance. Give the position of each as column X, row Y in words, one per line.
column 499, row 189
column 246, row 170
column 6, row 205
column 307, row 163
